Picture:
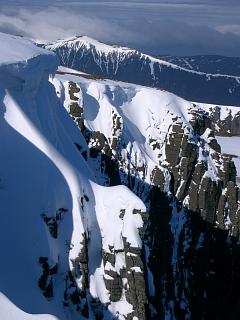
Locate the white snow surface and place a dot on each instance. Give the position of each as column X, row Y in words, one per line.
column 11, row 311
column 15, row 49
column 62, row 69
column 41, row 170
column 231, row 146
column 88, row 42
column 20, row 58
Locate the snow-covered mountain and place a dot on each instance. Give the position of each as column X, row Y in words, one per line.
column 116, row 202
column 91, row 56
column 207, row 63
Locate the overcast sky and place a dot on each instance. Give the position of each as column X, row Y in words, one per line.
column 159, row 27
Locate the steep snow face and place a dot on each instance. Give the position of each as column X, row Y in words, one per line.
column 90, row 56
column 53, row 213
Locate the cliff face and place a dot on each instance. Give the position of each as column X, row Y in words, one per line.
column 225, row 119
column 164, row 149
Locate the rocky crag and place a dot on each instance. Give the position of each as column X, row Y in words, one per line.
column 188, row 266
column 225, row 119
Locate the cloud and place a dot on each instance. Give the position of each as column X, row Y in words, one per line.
column 50, row 24
column 232, row 28
column 155, row 33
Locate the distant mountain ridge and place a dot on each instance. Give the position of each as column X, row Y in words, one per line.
column 124, row 64
column 207, row 63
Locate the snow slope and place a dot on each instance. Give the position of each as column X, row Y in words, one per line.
column 43, row 177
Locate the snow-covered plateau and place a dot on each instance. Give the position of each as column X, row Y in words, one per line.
column 115, row 199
